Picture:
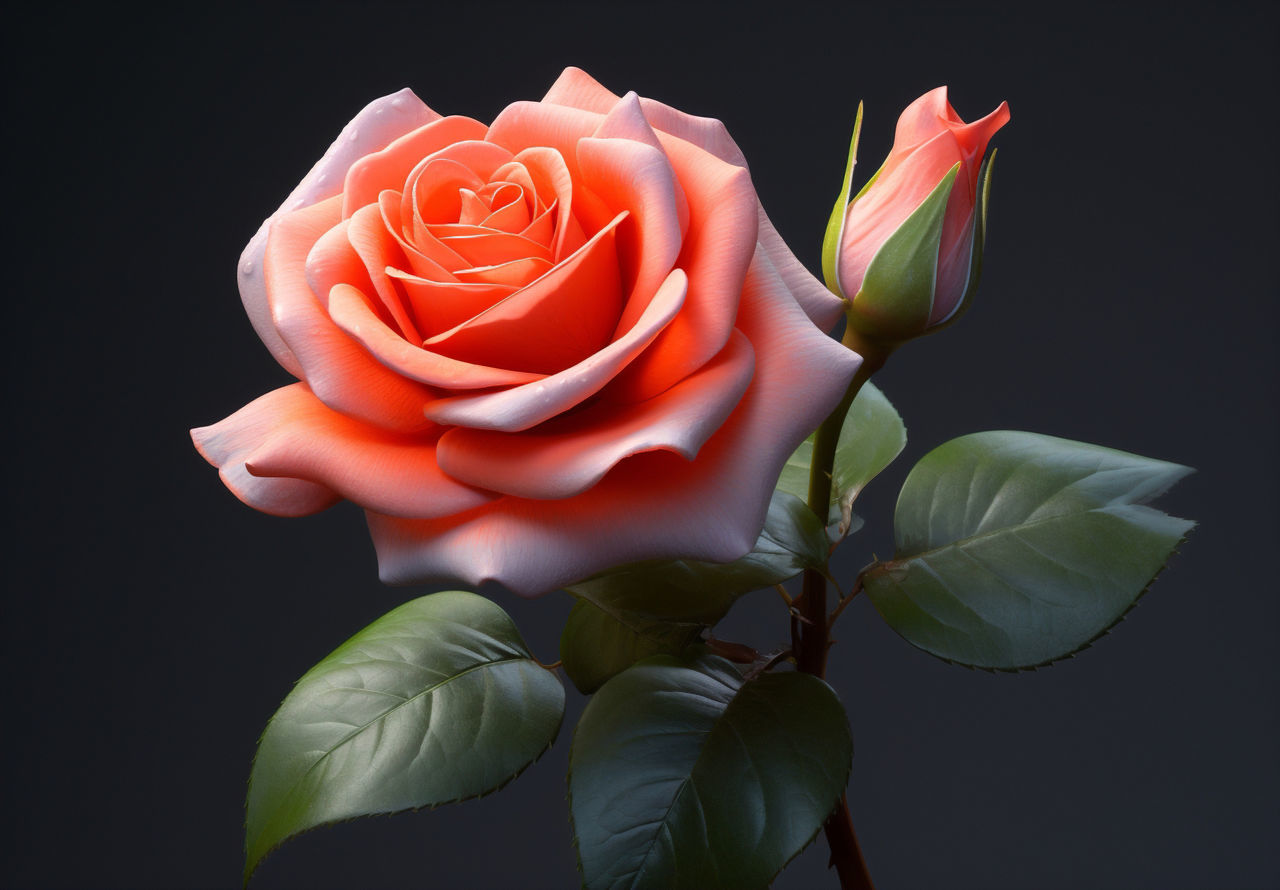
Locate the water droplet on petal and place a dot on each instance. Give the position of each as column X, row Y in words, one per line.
column 354, row 135
column 248, row 267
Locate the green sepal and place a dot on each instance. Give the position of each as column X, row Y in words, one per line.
column 437, row 701
column 683, row 776
column 1015, row 550
column 977, row 247
column 835, row 224
column 897, row 292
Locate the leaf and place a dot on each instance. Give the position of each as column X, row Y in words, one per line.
column 870, row 438
column 595, row 645
column 683, row 776
column 1016, row 549
column 654, row 607
column 695, row 592
column 437, row 701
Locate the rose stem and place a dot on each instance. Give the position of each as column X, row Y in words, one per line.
column 811, row 656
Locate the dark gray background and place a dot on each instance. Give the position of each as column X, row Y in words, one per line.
column 153, row 622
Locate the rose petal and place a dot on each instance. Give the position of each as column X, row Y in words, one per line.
column 435, row 267
column 562, row 458
column 716, row 253
column 560, row 319
column 653, row 505
column 377, row 124
column 634, row 177
column 493, row 247
column 824, row 307
column 390, row 167
column 350, row 311
column 300, row 439
column 439, row 306
column 578, row 89
column 554, row 184
column 378, row 251
column 516, row 273
column 226, row 445
column 525, row 406
column 338, row 370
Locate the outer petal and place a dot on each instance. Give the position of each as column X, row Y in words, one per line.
column 377, row 124
column 717, row 251
column 655, row 504
column 390, row 167
column 563, row 458
column 228, row 443
column 338, row 370
column 577, row 89
column 636, row 178
column 522, row 407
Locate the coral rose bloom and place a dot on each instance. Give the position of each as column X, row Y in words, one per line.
column 534, row 350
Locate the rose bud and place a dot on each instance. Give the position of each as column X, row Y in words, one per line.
column 907, row 250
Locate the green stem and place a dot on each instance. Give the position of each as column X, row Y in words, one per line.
column 811, row 654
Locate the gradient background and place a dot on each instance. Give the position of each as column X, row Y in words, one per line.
column 152, row 622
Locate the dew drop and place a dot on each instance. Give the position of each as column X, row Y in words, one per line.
column 248, row 267
column 353, row 135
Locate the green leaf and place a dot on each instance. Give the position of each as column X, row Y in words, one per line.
column 1016, row 549
column 896, row 296
column 872, row 436
column 437, row 701
column 595, row 644
column 682, row 776
column 695, row 592
column 835, row 223
column 653, row 607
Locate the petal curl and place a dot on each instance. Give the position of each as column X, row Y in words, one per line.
column 566, row 457
column 653, row 505
column 337, row 368
column 390, row 167
column 716, row 254
column 522, row 407
column 377, row 124
column 391, row 473
column 351, row 311
column 227, row 443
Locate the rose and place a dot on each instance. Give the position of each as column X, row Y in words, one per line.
column 534, row 350
column 912, row 239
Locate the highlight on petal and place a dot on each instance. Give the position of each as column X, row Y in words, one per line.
column 565, row 457
column 578, row 89
column 337, row 368
column 390, row 167
column 387, row 472
column 226, row 444
column 655, row 504
column 522, row 407
column 377, row 124
column 635, row 177
column 724, row 213
column 351, row 312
